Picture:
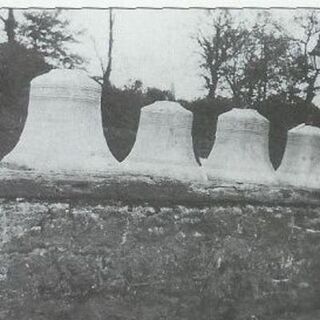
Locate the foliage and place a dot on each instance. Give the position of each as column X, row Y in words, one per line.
column 214, row 51
column 264, row 67
column 48, row 33
column 18, row 66
column 283, row 115
column 205, row 115
column 156, row 94
column 305, row 70
column 249, row 64
column 252, row 63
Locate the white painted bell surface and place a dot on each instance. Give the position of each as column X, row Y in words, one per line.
column 300, row 165
column 63, row 131
column 163, row 144
column 240, row 153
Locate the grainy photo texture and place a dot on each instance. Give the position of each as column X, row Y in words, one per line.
column 159, row 164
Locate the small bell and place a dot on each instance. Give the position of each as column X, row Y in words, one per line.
column 240, row 153
column 163, row 144
column 300, row 165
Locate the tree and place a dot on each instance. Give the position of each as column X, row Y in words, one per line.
column 265, row 62
column 233, row 71
column 104, row 80
column 155, row 94
column 214, row 50
column 10, row 25
column 305, row 70
column 247, row 63
column 47, row 33
column 107, row 72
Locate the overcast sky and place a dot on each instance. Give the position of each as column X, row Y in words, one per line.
column 155, row 46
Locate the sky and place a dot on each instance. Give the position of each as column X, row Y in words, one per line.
column 156, row 46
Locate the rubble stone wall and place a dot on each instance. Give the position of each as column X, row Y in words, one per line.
column 243, row 252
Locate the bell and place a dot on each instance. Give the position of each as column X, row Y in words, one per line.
column 163, row 146
column 240, row 153
column 63, row 130
column 300, row 165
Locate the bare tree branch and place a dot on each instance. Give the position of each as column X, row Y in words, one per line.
column 97, row 54
column 97, row 79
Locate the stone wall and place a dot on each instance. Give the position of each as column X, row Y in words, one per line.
column 78, row 251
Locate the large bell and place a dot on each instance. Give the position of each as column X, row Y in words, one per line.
column 240, row 153
column 301, row 162
column 163, row 144
column 63, row 130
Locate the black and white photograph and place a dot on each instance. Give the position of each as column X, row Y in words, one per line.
column 159, row 162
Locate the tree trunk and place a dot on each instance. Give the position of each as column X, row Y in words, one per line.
column 106, row 76
column 10, row 25
column 311, row 88
column 212, row 92
column 213, row 85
